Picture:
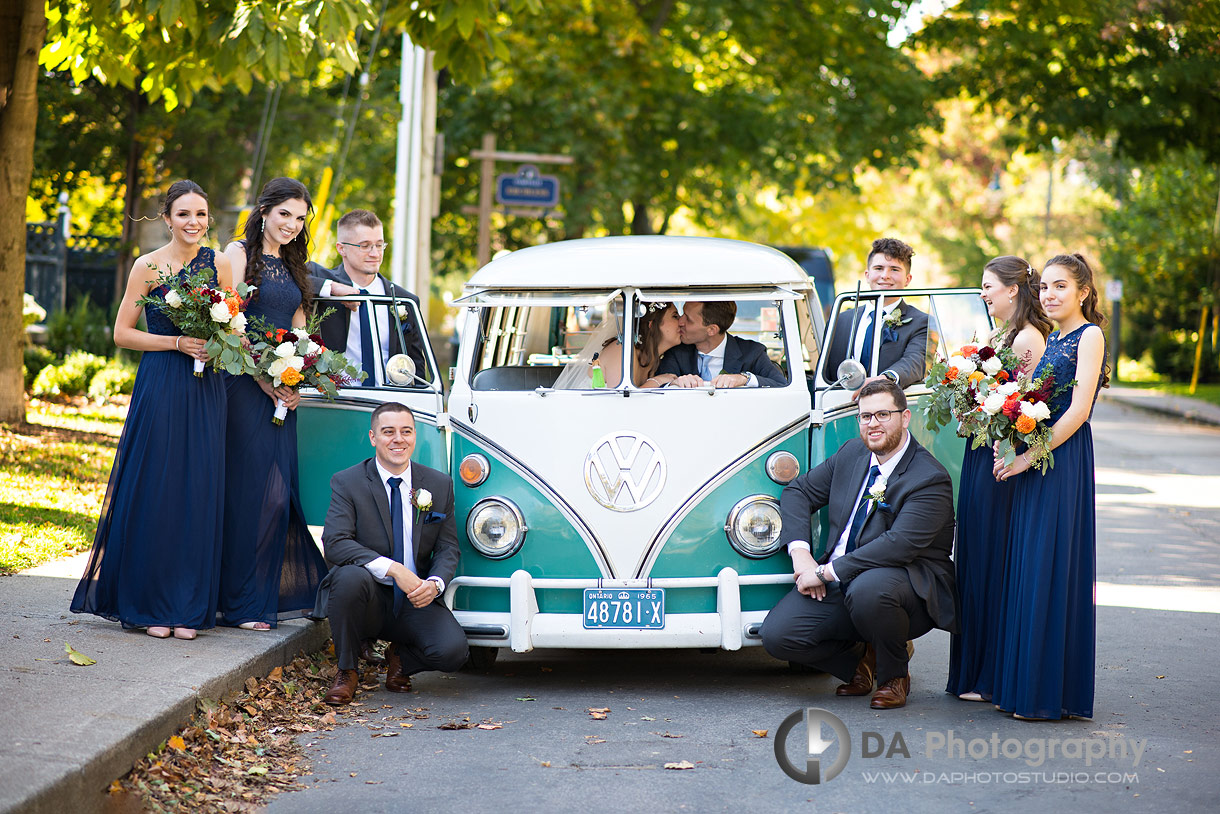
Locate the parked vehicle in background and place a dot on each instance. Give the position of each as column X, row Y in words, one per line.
column 818, row 265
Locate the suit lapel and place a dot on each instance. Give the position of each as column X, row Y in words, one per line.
column 845, row 499
column 381, row 500
column 899, row 469
column 417, row 516
column 732, row 355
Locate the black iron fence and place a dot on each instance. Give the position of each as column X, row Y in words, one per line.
column 59, row 271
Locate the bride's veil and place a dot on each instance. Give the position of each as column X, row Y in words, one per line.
column 576, row 374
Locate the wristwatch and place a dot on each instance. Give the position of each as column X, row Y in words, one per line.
column 820, row 573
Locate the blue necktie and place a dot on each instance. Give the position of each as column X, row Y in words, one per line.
column 857, row 522
column 705, row 366
column 399, row 534
column 366, row 345
column 866, row 352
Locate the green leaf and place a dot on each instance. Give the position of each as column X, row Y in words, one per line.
column 78, row 657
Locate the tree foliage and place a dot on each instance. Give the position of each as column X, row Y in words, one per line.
column 1139, row 72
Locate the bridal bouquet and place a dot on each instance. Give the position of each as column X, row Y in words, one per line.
column 202, row 310
column 298, row 358
column 1019, row 412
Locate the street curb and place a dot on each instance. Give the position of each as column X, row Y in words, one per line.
column 1166, row 406
column 84, row 788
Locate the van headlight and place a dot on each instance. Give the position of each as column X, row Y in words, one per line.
column 754, row 525
column 496, row 527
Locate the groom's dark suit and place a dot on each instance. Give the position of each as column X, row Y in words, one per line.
column 898, row 583
column 357, row 531
column 335, row 327
column 906, row 353
column 740, row 356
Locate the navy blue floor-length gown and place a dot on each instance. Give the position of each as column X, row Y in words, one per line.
column 270, row 567
column 984, row 507
column 156, row 554
column 1045, row 665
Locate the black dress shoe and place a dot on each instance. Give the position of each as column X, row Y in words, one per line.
column 369, row 654
column 343, row 689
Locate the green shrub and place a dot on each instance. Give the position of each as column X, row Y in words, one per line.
column 71, row 377
column 1173, row 356
column 115, row 379
column 84, row 327
column 36, row 358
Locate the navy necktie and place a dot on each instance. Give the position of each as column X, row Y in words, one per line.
column 366, row 345
column 857, row 521
column 866, row 352
column 399, row 533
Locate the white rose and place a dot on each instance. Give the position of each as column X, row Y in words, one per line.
column 312, row 349
column 992, row 366
column 219, row 312
column 286, row 349
column 423, row 499
column 294, row 362
column 993, row 403
column 173, row 299
column 880, row 483
column 238, row 323
column 278, row 367
column 1038, row 411
column 1008, row 389
column 964, row 366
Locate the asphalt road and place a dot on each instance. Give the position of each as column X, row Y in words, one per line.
column 1152, row 745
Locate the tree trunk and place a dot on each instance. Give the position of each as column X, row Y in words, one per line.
column 131, row 197
column 640, row 225
column 23, row 28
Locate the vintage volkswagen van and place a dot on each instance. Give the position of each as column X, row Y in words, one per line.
column 640, row 518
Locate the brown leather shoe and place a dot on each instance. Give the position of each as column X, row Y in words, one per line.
column 395, row 679
column 369, row 654
column 862, row 682
column 343, row 689
column 892, row 694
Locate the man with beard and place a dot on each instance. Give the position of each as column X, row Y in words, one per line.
column 887, row 576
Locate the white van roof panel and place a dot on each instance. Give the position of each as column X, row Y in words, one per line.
column 642, row 261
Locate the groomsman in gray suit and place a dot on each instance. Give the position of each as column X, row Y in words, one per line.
column 887, row 576
column 391, row 539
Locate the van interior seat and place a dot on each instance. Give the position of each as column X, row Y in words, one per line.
column 516, row 377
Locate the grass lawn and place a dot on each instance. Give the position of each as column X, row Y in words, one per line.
column 53, row 473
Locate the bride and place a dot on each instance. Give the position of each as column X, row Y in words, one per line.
column 656, row 332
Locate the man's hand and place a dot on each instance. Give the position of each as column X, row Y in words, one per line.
column 424, row 593
column 403, row 577
column 808, row 583
column 731, row 380
column 689, row 380
column 344, row 290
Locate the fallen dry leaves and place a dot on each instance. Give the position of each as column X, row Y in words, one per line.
column 238, row 752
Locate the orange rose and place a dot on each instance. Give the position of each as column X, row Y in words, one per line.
column 968, row 349
column 279, row 335
column 1025, row 424
column 950, row 374
column 234, row 306
column 1001, row 376
column 291, row 377
column 977, row 376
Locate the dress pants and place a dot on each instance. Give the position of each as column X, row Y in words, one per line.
column 360, row 608
column 878, row 607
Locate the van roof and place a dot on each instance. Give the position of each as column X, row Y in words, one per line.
column 647, row 261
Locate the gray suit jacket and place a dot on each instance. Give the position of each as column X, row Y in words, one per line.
column 915, row 532
column 907, row 355
column 357, row 529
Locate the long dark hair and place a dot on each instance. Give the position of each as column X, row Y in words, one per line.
column 648, row 335
column 295, row 253
column 1013, row 270
column 1082, row 273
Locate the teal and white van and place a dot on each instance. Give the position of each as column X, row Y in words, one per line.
column 623, row 517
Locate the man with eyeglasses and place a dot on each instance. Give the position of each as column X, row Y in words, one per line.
column 887, row 577
column 372, row 335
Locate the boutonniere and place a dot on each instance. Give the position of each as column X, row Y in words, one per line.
column 894, row 318
column 876, row 493
column 421, row 499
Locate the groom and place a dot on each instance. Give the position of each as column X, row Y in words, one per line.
column 708, row 352
column 887, row 577
column 391, row 539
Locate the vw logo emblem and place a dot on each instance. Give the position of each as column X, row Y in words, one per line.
column 625, row 471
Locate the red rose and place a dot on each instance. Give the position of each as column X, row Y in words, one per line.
column 1012, row 406
column 985, row 353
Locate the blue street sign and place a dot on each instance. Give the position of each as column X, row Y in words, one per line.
column 527, row 187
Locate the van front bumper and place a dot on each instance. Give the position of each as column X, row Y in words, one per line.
column 523, row 628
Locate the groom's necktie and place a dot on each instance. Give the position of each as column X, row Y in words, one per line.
column 705, row 366
column 866, row 352
column 366, row 345
column 398, row 531
column 857, row 521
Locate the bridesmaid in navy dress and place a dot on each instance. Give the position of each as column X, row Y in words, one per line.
column 270, row 567
column 155, row 562
column 1010, row 290
column 1045, row 664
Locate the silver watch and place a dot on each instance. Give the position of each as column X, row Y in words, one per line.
column 820, row 573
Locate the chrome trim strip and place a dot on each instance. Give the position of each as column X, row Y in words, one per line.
column 510, row 460
column 749, row 456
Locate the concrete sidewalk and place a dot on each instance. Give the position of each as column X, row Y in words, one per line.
column 1191, row 409
column 68, row 731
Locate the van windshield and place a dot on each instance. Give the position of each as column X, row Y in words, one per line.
column 574, row 342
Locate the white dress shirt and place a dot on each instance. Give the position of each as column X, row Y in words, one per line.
column 715, row 362
column 865, row 329
column 887, row 469
column 379, row 314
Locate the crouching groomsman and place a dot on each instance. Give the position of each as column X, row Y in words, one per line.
column 391, row 541
column 888, row 577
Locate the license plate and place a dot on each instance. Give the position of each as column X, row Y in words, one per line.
column 642, row 608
